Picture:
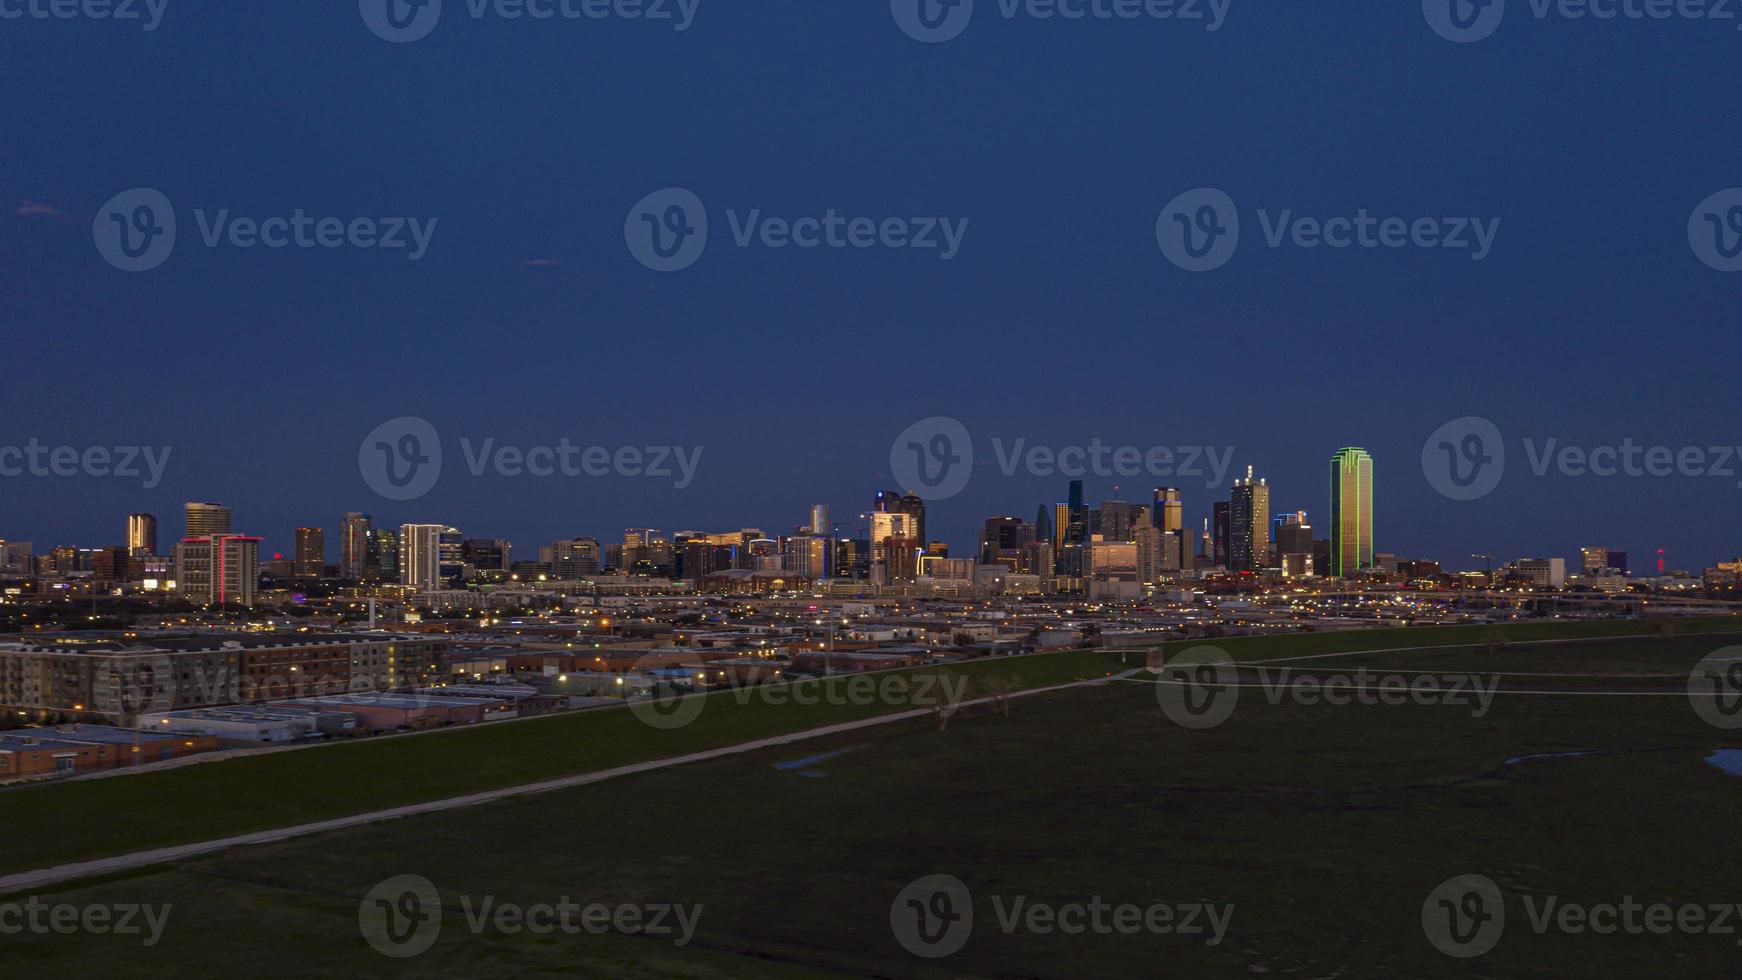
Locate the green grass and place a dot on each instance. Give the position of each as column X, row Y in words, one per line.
column 1324, row 826
column 81, row 820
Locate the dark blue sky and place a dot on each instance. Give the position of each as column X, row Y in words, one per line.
column 1060, row 321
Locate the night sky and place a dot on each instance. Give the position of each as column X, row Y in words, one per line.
column 1060, row 320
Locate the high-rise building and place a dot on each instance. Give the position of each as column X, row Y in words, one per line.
column 205, row 520
column 820, row 519
column 354, row 545
column 1168, row 513
column 1043, row 530
column 1077, row 526
column 1351, row 512
column 1001, row 534
column 914, row 507
column 894, row 547
column 806, row 555
column 486, row 555
column 1116, row 520
column 420, row 556
column 1595, row 560
column 1249, row 525
column 218, row 570
column 381, row 557
column 141, row 535
column 311, row 552
column 1219, row 535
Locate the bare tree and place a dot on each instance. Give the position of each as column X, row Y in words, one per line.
column 1000, row 689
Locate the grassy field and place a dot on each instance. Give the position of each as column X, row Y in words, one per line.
column 275, row 790
column 1325, row 827
column 258, row 793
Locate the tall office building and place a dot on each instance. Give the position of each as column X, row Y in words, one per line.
column 381, row 557
column 141, row 535
column 577, row 558
column 1219, row 534
column 353, row 545
column 1593, row 561
column 311, row 552
column 1168, row 512
column 487, row 555
column 806, row 555
column 914, row 507
column 1077, row 529
column 1293, row 534
column 218, row 570
column 1249, row 525
column 205, row 520
column 1351, row 512
column 894, row 547
column 820, row 519
column 1116, row 520
column 420, row 556
column 1003, row 537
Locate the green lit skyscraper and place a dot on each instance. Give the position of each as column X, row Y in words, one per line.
column 1351, row 512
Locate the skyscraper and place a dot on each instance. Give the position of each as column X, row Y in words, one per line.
column 311, row 552
column 381, row 557
column 141, row 535
column 820, row 519
column 914, row 507
column 1249, row 525
column 1351, row 512
column 420, row 556
column 1169, row 510
column 218, row 570
column 353, row 545
column 1043, row 526
column 1219, row 534
column 205, row 520
column 1077, row 531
